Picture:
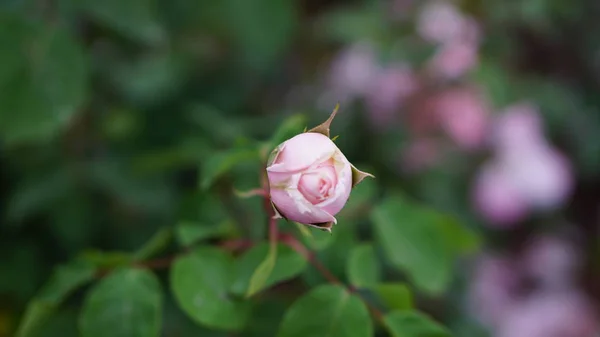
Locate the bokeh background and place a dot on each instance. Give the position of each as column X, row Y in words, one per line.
column 487, row 110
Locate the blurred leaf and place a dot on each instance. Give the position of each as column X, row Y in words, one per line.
column 186, row 154
column 263, row 272
column 265, row 317
column 214, row 123
column 222, row 162
column 188, row 233
column 334, row 256
column 36, row 195
column 43, row 80
column 498, row 83
column 396, row 296
column 461, row 240
column 136, row 19
column 262, row 30
column 200, row 282
column 126, row 303
column 62, row 323
column 152, row 78
column 158, row 242
column 104, row 259
column 64, row 280
column 412, row 241
column 413, row 324
column 353, row 24
column 360, row 200
column 315, row 238
column 288, row 264
column 116, row 178
column 290, row 127
column 363, row 267
column 327, row 311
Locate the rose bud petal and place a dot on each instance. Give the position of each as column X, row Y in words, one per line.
column 310, row 179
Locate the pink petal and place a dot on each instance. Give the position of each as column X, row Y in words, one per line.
column 289, row 209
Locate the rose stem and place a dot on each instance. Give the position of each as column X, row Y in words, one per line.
column 310, row 256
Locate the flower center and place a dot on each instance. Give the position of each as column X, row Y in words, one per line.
column 319, row 183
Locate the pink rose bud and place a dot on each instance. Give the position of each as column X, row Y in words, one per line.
column 310, row 179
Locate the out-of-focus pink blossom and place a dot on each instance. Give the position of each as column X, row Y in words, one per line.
column 441, row 22
column 539, row 176
column 420, row 154
column 353, row 71
column 390, row 87
column 563, row 314
column 492, row 291
column 497, row 198
column 454, row 60
column 552, row 261
column 543, row 177
column 463, row 114
column 518, row 127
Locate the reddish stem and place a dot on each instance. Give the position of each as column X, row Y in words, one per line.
column 310, row 256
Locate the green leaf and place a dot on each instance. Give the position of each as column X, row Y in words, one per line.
column 291, row 127
column 413, row 242
column 288, row 264
column 327, row 311
column 159, row 241
column 64, row 281
column 413, row 324
column 360, row 200
column 38, row 195
column 200, row 282
column 222, row 162
column 135, row 19
column 353, row 24
column 460, row 239
column 500, row 86
column 188, row 233
column 126, row 303
column 316, row 239
column 263, row 272
column 261, row 30
column 395, row 296
column 104, row 259
column 43, row 80
column 363, row 267
column 151, row 78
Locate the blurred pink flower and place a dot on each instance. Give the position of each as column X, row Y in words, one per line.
column 542, row 176
column 463, row 114
column 492, row 290
column 525, row 166
column 454, row 60
column 564, row 314
column 390, row 87
column 441, row 22
column 353, row 71
column 552, row 261
column 519, row 126
column 496, row 198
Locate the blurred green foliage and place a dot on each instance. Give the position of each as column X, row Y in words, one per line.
column 126, row 127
